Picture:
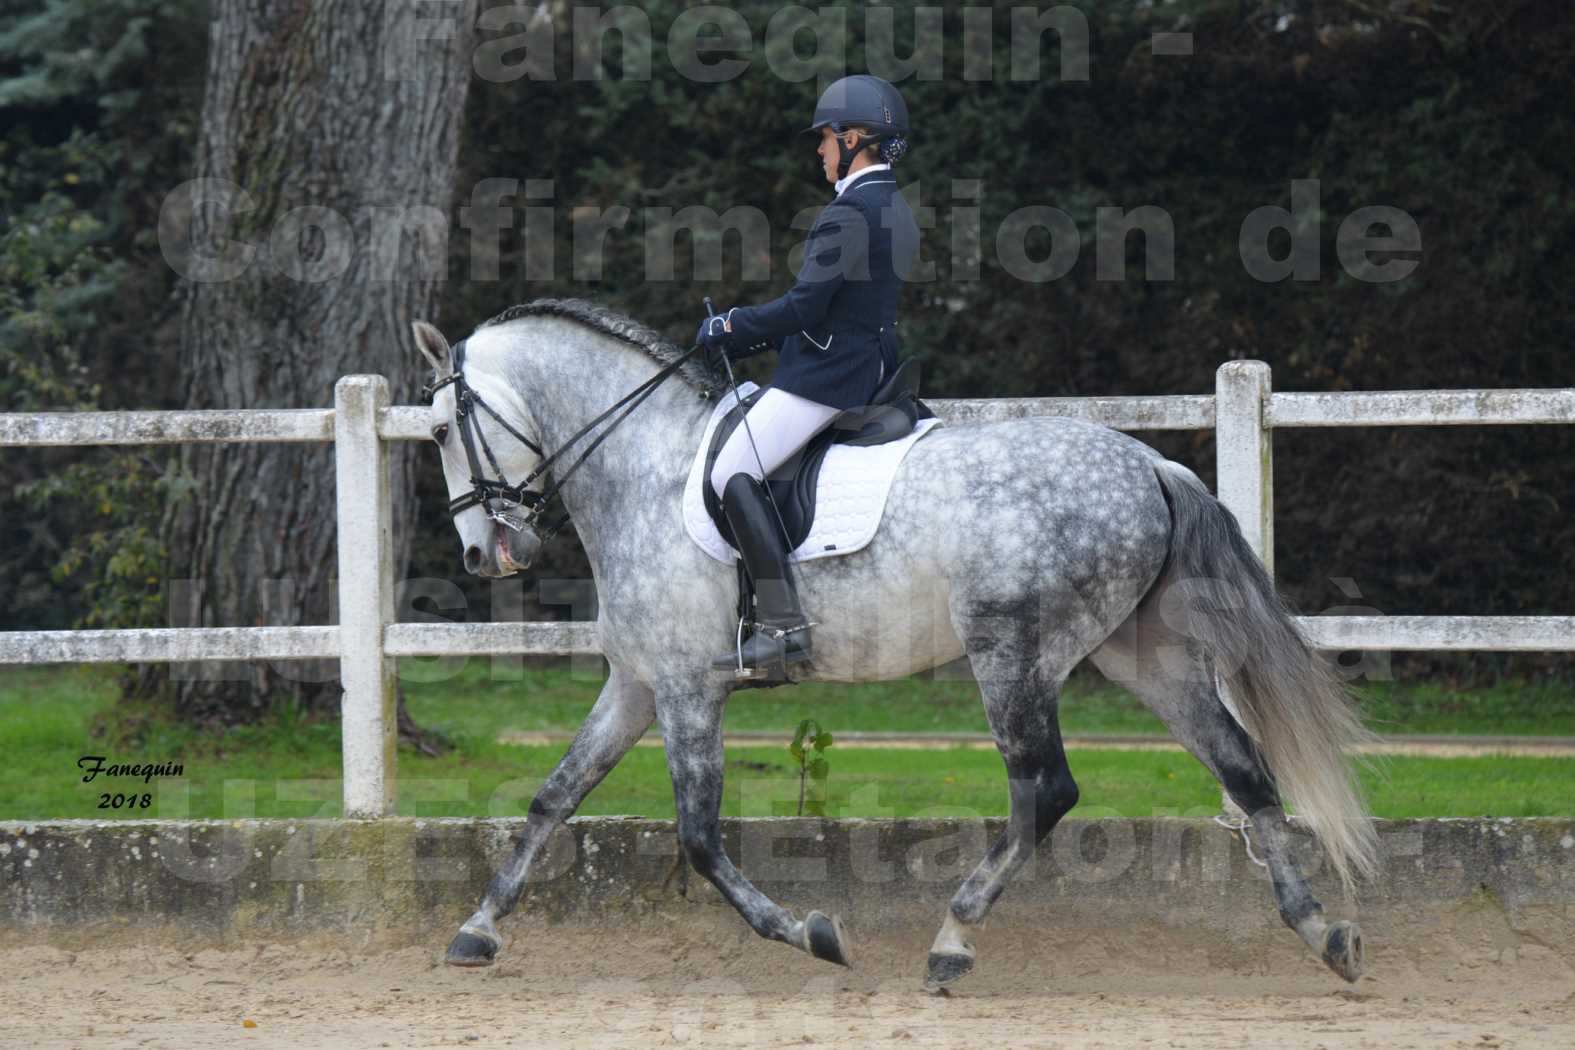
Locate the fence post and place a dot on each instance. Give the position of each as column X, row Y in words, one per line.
column 1245, row 453
column 1244, row 472
column 366, row 596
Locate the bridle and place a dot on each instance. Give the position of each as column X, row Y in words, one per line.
column 484, row 490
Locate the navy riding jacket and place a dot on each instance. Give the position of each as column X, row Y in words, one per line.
column 834, row 330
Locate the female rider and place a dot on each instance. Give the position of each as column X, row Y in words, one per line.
column 834, row 333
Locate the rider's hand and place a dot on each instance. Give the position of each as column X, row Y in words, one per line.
column 715, row 333
column 716, row 337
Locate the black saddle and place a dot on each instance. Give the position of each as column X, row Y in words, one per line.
column 892, row 414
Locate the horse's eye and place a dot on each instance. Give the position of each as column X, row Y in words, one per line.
column 440, row 433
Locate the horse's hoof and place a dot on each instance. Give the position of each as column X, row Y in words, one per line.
column 1342, row 950
column 468, row 949
column 946, row 968
column 824, row 938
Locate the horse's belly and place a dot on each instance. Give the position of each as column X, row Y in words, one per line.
column 889, row 620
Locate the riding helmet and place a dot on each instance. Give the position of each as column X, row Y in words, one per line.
column 863, row 101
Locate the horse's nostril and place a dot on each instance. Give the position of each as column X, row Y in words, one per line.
column 472, row 558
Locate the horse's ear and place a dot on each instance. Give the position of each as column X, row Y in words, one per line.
column 433, row 346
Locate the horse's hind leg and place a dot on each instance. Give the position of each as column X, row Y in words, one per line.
column 620, row 716
column 1021, row 695
column 692, row 730
column 1175, row 679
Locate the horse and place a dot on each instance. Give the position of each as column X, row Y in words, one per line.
column 1024, row 546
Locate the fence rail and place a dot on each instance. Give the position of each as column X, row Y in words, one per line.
column 1244, row 412
column 167, row 428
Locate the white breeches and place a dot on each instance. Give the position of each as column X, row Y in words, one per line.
column 782, row 423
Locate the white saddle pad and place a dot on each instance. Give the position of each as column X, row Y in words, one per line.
column 850, row 494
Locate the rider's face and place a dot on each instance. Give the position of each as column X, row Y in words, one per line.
column 829, row 154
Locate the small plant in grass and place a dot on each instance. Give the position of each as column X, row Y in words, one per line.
column 809, row 751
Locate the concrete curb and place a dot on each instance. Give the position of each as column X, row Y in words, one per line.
column 404, row 881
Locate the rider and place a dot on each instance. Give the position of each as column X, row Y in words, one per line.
column 835, row 335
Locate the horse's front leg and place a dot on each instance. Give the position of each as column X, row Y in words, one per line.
column 621, row 715
column 692, row 730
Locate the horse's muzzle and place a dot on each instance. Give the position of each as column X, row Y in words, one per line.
column 511, row 552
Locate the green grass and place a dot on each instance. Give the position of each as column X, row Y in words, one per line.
column 289, row 767
column 477, row 695
column 1506, row 709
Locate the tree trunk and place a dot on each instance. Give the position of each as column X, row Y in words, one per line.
column 352, row 113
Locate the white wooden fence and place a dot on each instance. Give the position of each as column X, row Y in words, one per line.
column 1243, row 410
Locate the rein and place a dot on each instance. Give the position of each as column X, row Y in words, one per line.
column 485, row 490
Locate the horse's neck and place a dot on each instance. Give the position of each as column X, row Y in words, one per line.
column 643, row 461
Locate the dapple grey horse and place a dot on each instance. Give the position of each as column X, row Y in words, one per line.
column 1024, row 545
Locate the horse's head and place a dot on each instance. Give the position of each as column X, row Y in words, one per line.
column 482, row 429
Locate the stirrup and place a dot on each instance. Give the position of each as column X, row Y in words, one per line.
column 740, row 672
column 757, row 672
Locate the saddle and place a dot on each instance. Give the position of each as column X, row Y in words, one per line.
column 892, row 413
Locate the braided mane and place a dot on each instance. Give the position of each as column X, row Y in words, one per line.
column 619, row 326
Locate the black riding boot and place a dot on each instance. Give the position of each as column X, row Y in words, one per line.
column 781, row 633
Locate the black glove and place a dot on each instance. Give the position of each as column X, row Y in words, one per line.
column 713, row 335
column 715, row 341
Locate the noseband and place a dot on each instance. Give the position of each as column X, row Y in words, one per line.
column 484, row 491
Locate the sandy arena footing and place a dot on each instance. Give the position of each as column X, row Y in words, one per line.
column 329, row 934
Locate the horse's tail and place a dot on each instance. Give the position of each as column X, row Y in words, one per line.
column 1291, row 702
